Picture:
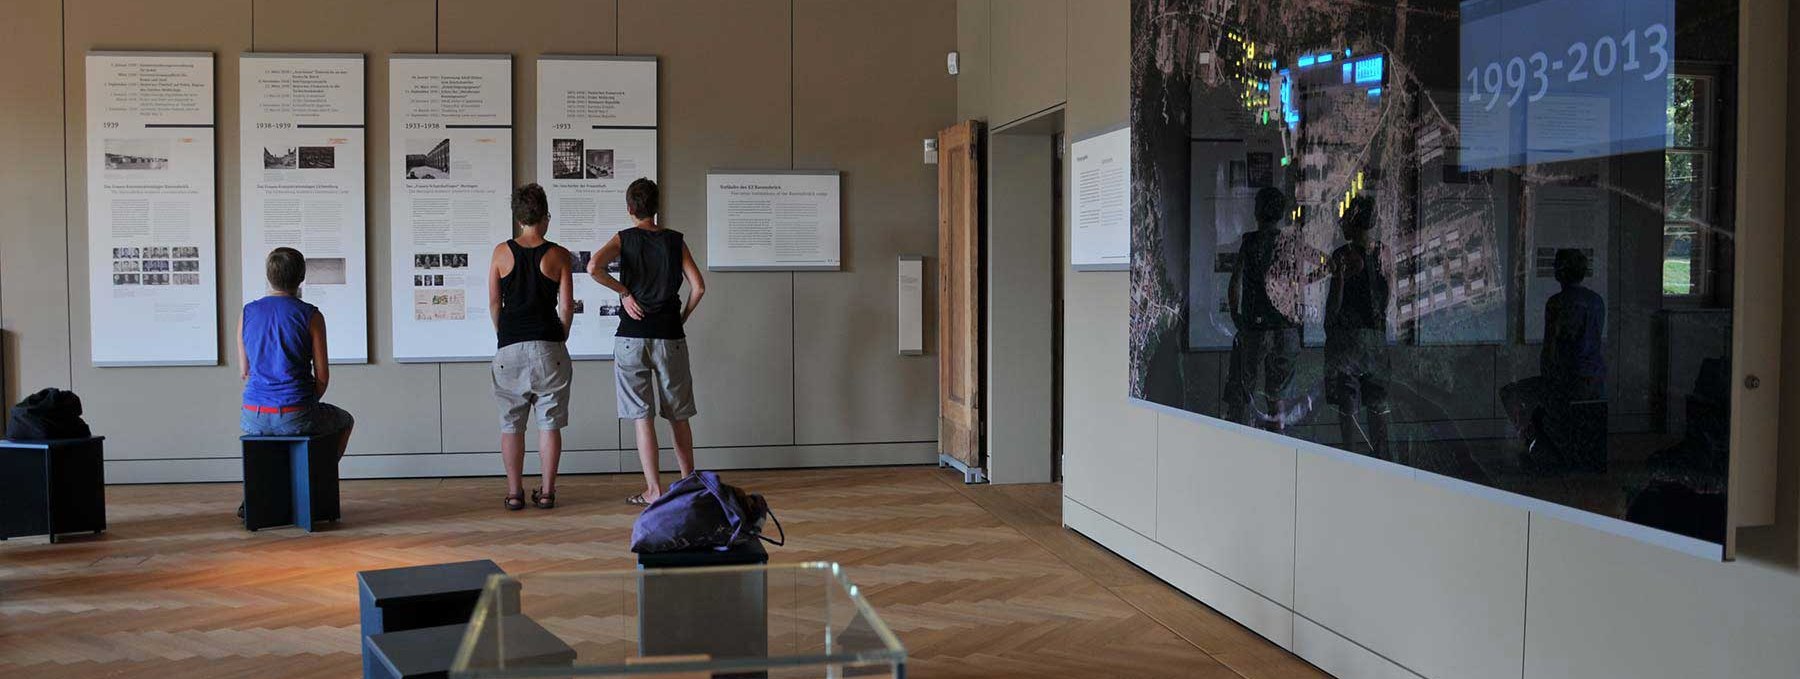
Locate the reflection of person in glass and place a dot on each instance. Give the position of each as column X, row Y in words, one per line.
column 1572, row 367
column 1267, row 338
column 1356, row 329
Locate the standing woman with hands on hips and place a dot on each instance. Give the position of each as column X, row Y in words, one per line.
column 650, row 350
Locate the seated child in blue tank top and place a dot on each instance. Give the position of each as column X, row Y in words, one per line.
column 282, row 358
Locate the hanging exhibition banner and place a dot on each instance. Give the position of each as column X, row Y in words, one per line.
column 780, row 220
column 1100, row 208
column 301, row 157
column 152, row 264
column 596, row 135
column 450, row 183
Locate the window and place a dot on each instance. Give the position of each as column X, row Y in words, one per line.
column 1688, row 168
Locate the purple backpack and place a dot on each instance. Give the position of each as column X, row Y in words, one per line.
column 701, row 512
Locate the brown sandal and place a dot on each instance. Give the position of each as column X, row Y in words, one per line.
column 542, row 499
column 515, row 502
column 637, row 501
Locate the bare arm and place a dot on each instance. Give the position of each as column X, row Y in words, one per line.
column 696, row 282
column 494, row 284
column 597, row 269
column 321, row 355
column 243, row 356
column 565, row 298
column 604, row 258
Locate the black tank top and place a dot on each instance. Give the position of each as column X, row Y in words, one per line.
column 650, row 267
column 1363, row 288
column 528, row 298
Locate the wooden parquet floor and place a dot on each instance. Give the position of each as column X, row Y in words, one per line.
column 978, row 581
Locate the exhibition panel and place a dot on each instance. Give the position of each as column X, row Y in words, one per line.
column 1494, row 244
column 302, row 155
column 1100, row 201
column 450, row 180
column 152, row 269
column 782, row 220
column 596, row 133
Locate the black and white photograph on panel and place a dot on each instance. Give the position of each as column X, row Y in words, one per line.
column 428, row 158
column 600, row 164
column 565, row 158
column 318, row 157
column 137, row 154
column 326, row 271
column 281, row 158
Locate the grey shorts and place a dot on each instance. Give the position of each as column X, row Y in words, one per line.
column 653, row 371
column 533, row 377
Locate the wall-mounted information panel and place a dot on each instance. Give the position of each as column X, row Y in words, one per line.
column 301, row 159
column 773, row 220
column 450, row 183
column 596, row 134
column 152, row 263
column 1100, row 207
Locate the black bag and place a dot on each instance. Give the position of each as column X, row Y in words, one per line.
column 47, row 415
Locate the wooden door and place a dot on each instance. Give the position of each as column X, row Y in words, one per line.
column 959, row 294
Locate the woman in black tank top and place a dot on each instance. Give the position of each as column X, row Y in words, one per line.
column 528, row 298
column 532, row 304
column 650, row 266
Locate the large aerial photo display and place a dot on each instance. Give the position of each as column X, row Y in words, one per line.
column 1486, row 239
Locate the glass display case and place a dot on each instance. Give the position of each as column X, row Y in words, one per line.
column 796, row 621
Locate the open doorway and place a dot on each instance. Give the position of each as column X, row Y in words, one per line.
column 1024, row 298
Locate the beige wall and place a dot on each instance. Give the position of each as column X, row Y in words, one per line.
column 791, row 368
column 1365, row 569
column 34, row 286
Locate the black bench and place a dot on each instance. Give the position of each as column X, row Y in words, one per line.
column 290, row 480
column 52, row 487
column 720, row 615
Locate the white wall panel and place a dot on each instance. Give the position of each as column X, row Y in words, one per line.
column 1604, row 605
column 1109, row 445
column 1340, row 657
column 1254, row 611
column 1424, row 576
column 1226, row 500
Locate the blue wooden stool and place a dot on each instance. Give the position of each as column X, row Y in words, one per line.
column 52, row 487
column 290, row 480
column 419, row 597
